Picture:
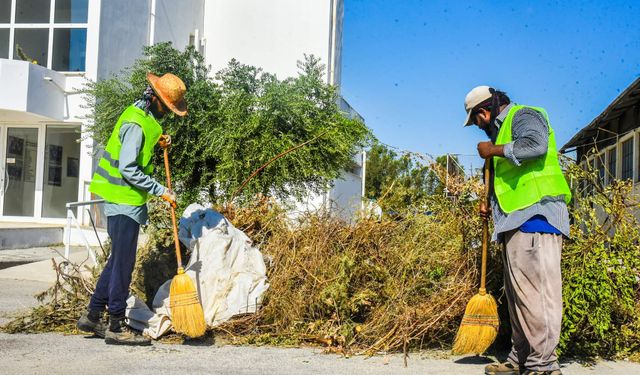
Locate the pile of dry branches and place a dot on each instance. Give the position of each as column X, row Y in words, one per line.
column 387, row 284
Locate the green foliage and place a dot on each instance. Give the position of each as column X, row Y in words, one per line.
column 601, row 270
column 238, row 122
column 401, row 181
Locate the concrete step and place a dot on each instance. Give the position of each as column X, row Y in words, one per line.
column 28, row 235
column 35, row 264
column 18, row 235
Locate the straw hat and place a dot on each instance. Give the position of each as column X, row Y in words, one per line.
column 170, row 89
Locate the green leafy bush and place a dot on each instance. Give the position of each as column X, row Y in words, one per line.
column 236, row 123
column 601, row 270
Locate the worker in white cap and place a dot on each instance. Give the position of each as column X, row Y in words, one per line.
column 528, row 200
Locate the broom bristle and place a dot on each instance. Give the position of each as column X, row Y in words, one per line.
column 479, row 326
column 187, row 316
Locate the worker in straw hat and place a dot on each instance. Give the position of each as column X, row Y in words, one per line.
column 123, row 179
column 528, row 199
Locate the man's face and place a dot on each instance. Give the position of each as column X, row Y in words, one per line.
column 481, row 118
column 158, row 109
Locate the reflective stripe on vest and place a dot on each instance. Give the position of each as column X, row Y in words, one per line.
column 107, row 156
column 107, row 180
column 111, row 179
column 518, row 187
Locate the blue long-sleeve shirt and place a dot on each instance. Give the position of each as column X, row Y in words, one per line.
column 530, row 139
column 132, row 140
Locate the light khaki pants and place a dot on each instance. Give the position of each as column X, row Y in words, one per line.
column 533, row 286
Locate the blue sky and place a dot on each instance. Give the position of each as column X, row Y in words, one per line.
column 407, row 65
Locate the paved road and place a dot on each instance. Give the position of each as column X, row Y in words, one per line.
column 17, row 296
column 59, row 354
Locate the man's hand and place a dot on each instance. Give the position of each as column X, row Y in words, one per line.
column 170, row 197
column 485, row 210
column 164, row 141
column 488, row 149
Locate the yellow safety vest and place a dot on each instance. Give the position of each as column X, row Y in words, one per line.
column 518, row 187
column 107, row 181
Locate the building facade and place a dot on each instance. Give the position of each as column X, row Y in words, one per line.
column 611, row 142
column 50, row 48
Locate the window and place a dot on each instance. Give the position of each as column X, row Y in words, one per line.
column 51, row 33
column 33, row 11
column 69, row 49
column 5, row 11
column 627, row 159
column 586, row 186
column 600, row 168
column 71, row 11
column 611, row 170
column 61, row 169
column 31, row 45
column 4, row 43
column 638, row 161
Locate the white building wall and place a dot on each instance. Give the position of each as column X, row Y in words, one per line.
column 28, row 93
column 345, row 196
column 272, row 35
column 336, row 42
column 124, row 30
column 176, row 20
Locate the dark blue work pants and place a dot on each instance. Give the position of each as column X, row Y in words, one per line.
column 112, row 288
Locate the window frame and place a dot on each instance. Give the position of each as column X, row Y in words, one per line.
column 600, row 160
column 631, row 136
column 636, row 156
column 51, row 26
column 609, row 175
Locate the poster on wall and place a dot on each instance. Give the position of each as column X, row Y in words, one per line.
column 14, row 170
column 30, row 158
column 55, row 176
column 54, row 165
column 15, row 150
column 15, row 146
column 73, row 167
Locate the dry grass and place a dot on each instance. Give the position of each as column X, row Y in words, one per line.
column 378, row 285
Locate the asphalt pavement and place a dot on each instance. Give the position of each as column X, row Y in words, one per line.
column 77, row 354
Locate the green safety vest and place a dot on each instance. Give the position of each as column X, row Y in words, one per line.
column 107, row 181
column 518, row 187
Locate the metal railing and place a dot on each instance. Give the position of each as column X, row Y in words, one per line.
column 71, row 219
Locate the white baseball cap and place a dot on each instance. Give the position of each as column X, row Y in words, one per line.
column 473, row 98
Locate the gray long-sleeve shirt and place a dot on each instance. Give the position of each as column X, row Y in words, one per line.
column 530, row 139
column 132, row 139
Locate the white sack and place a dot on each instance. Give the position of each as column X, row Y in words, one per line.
column 229, row 273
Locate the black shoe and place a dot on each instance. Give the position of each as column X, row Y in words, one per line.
column 119, row 333
column 91, row 322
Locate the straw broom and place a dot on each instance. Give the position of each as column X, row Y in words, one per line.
column 187, row 315
column 479, row 326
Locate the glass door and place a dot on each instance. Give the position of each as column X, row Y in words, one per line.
column 19, row 166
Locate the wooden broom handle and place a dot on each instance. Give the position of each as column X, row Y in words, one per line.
column 485, row 229
column 173, row 211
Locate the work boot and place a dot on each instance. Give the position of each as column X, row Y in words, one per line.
column 91, row 322
column 536, row 372
column 119, row 333
column 505, row 368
